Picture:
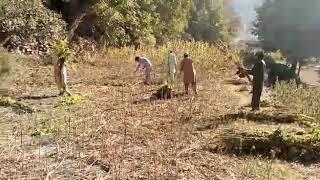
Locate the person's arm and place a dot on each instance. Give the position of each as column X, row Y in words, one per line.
column 168, row 64
column 181, row 66
column 175, row 63
column 139, row 64
column 252, row 71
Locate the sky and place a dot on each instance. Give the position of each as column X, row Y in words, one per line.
column 246, row 10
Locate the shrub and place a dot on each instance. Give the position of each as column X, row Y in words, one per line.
column 30, row 20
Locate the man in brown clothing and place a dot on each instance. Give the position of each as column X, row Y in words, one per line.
column 189, row 73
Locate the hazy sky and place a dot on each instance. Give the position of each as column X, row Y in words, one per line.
column 246, row 10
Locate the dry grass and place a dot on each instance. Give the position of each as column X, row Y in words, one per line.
column 305, row 101
column 102, row 134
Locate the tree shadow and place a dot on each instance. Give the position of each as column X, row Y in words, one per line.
column 36, row 97
column 236, row 82
column 268, row 147
column 261, row 117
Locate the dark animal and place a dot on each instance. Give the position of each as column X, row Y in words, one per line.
column 282, row 72
column 165, row 92
column 242, row 73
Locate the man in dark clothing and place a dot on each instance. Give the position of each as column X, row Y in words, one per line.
column 258, row 77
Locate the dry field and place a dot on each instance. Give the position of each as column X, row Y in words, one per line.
column 110, row 130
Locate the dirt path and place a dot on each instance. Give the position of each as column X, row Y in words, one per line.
column 311, row 75
column 241, row 92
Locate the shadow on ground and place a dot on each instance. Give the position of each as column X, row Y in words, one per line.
column 236, row 82
column 155, row 97
column 269, row 147
column 262, row 117
column 36, row 97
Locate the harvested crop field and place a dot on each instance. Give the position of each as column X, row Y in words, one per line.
column 110, row 129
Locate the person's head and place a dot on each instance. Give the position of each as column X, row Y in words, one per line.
column 170, row 51
column 185, row 55
column 61, row 60
column 137, row 58
column 260, row 55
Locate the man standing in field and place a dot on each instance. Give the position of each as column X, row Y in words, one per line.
column 257, row 83
column 189, row 73
column 60, row 75
column 145, row 64
column 172, row 68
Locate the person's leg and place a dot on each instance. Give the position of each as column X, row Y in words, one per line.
column 170, row 79
column 194, row 87
column 258, row 101
column 148, row 76
column 60, row 87
column 255, row 103
column 65, row 90
column 186, row 87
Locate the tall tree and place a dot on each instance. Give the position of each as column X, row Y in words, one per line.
column 292, row 26
column 173, row 18
column 211, row 20
column 123, row 22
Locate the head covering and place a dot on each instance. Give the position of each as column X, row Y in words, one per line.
column 260, row 55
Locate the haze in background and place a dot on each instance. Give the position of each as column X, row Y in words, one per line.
column 246, row 10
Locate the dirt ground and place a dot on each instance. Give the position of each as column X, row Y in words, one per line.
column 311, row 75
column 114, row 132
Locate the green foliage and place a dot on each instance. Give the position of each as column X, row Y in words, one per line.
column 128, row 22
column 303, row 101
column 61, row 48
column 125, row 22
column 44, row 131
column 210, row 21
column 174, row 17
column 277, row 135
column 275, row 56
column 71, row 100
column 29, row 19
column 289, row 25
column 308, row 138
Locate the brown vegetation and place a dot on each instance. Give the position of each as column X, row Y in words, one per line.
column 100, row 133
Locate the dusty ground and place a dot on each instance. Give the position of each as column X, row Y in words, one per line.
column 311, row 75
column 108, row 136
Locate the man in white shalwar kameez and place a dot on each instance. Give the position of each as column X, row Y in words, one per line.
column 172, row 68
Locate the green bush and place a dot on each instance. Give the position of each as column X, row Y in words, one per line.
column 71, row 100
column 61, row 48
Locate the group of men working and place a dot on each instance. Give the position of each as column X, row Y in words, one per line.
column 189, row 74
column 186, row 67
